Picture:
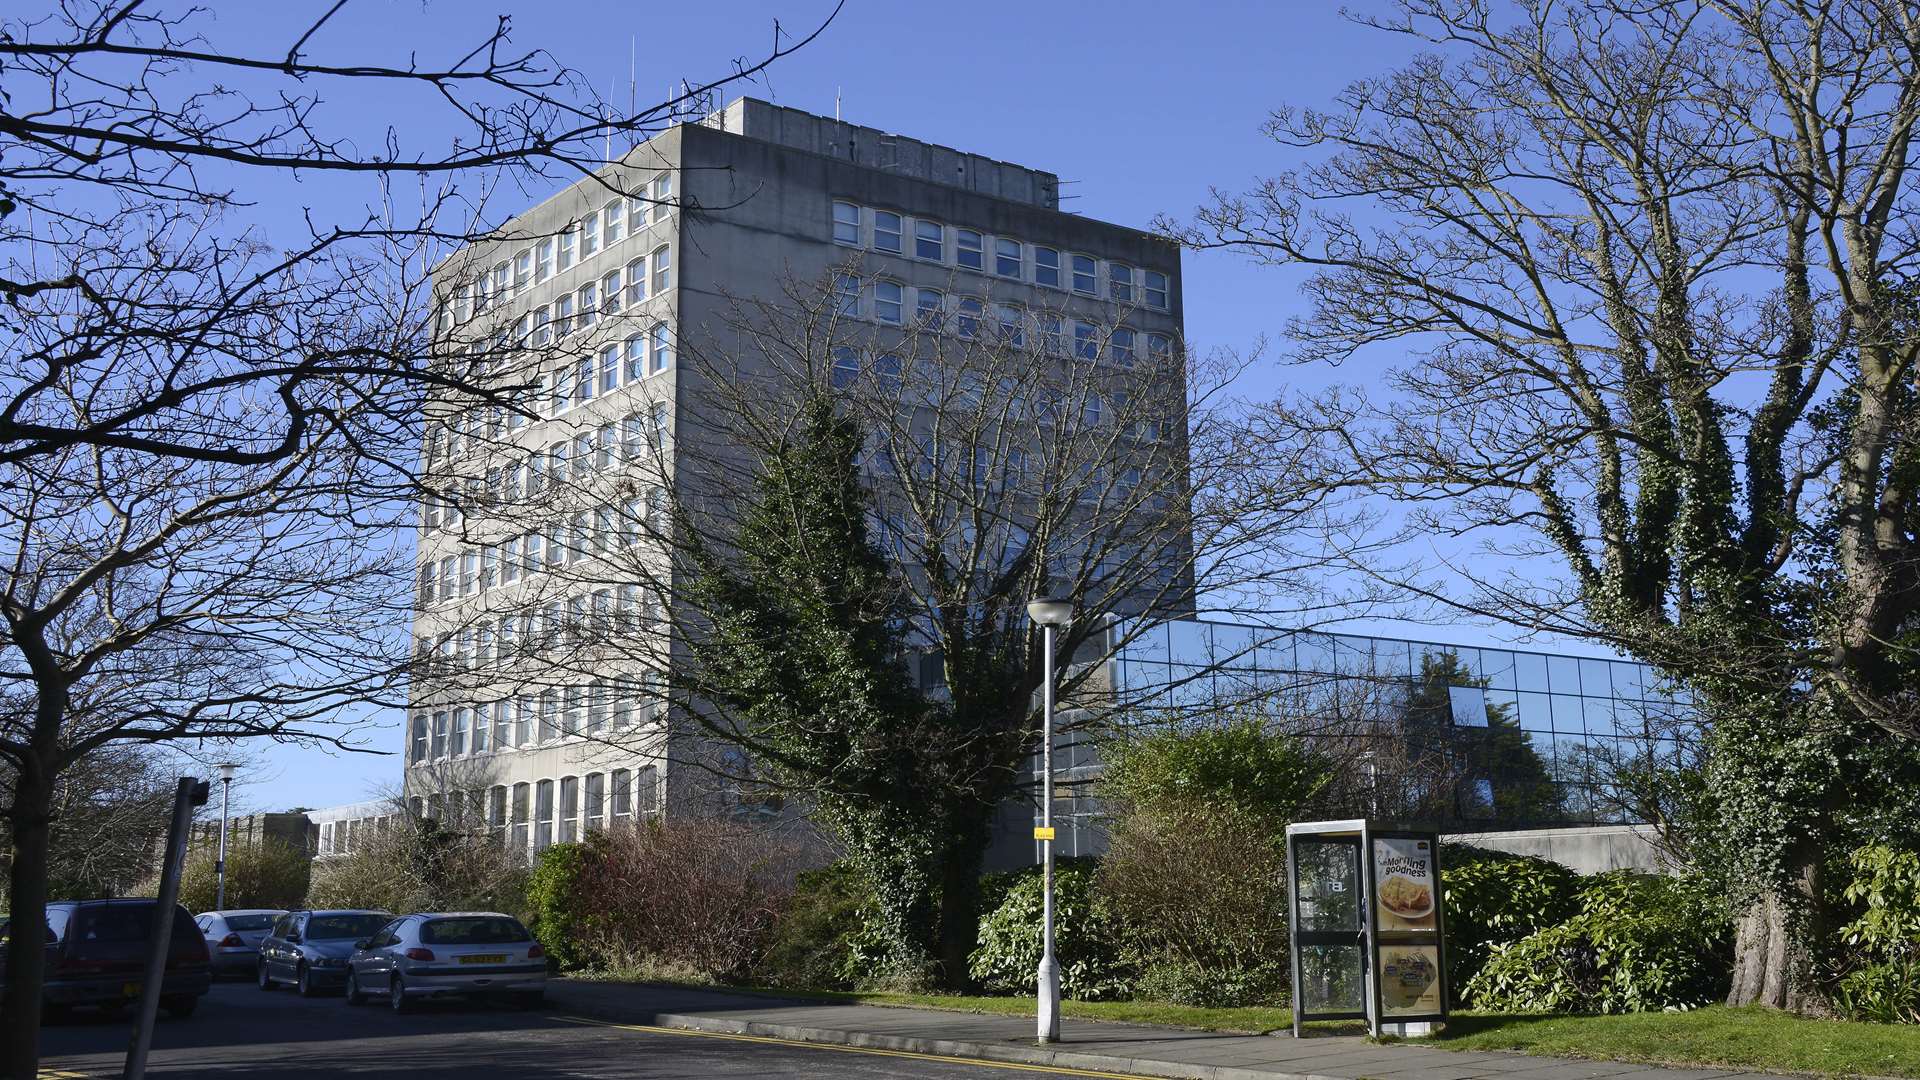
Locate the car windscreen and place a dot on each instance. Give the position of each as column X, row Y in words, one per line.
column 125, row 923
column 473, row 930
column 333, row 927
column 237, row 923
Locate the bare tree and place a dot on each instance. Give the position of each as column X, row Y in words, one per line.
column 1653, row 263
column 206, row 430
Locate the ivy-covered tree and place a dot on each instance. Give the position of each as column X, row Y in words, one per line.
column 1651, row 262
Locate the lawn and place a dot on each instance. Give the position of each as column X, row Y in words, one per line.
column 1749, row 1038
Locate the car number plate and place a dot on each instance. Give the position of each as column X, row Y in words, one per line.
column 131, row 990
column 487, row 958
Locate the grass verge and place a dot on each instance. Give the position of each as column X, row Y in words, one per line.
column 1717, row 1036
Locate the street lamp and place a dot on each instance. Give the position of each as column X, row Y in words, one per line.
column 226, row 769
column 1049, row 614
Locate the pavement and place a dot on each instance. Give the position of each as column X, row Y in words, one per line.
column 1097, row 1046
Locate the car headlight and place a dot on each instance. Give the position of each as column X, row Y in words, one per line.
column 330, row 961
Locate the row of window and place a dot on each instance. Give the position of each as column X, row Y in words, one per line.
column 616, row 221
column 345, row 836
column 579, row 618
column 884, row 301
column 535, row 813
column 588, row 533
column 556, row 391
column 633, row 439
column 533, row 720
column 998, row 256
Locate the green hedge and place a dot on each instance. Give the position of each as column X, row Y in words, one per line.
column 1494, row 898
column 1087, row 939
column 553, row 894
column 1637, row 943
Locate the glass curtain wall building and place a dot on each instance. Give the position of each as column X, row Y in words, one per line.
column 1457, row 737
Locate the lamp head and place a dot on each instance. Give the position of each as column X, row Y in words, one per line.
column 227, row 769
column 1050, row 612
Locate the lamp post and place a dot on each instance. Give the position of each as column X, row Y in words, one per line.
column 1050, row 615
column 226, row 769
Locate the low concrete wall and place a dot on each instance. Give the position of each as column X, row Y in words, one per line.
column 1586, row 849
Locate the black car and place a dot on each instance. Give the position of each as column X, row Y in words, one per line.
column 96, row 954
column 309, row 949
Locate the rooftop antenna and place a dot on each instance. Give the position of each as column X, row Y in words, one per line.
column 836, row 103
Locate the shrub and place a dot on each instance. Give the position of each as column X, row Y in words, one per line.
column 267, row 874
column 1885, row 987
column 695, row 898
column 553, row 895
column 1087, row 939
column 415, row 864
column 1495, row 898
column 1637, row 943
column 1200, row 896
column 1240, row 764
column 827, row 937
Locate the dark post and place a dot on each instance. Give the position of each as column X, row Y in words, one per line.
column 189, row 794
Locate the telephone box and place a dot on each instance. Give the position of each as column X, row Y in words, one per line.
column 1367, row 931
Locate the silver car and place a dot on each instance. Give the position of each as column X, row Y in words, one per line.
column 448, row 954
column 233, row 937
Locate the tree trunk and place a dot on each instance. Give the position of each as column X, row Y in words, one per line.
column 959, row 929
column 1772, row 962
column 27, row 907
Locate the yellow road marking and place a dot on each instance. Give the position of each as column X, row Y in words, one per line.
column 1016, row 1066
column 61, row 1074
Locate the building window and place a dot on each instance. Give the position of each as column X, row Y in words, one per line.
column 1007, row 261
column 522, row 270
column 549, row 715
column 662, row 196
column 929, row 307
column 1012, row 325
column 636, row 281
column 609, row 368
column 610, row 292
column 586, row 300
column 1085, row 276
column 662, row 347
column 930, row 240
column 589, row 237
column 846, row 291
column 518, row 837
column 1159, row 346
column 646, row 790
column 1156, row 290
column 569, row 808
column 662, row 269
column 596, row 800
column 439, row 747
column 846, row 224
column 523, row 721
column 563, row 316
column 659, row 432
column 542, row 327
column 482, row 723
column 503, row 709
column 888, row 298
column 543, row 260
column 1093, row 411
column 966, row 322
column 583, row 380
column 543, row 815
column 846, row 367
column 1121, row 346
column 622, row 796
column 567, row 240
column 613, row 218
column 419, row 736
column 1120, row 283
column 886, row 231
column 967, row 249
column 1086, row 341
column 457, row 744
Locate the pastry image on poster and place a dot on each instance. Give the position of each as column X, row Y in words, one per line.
column 1409, row 980
column 1406, row 893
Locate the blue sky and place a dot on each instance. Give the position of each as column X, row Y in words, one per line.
column 1141, row 107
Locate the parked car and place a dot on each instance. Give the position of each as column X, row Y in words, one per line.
column 448, row 954
column 309, row 949
column 233, row 937
column 96, row 955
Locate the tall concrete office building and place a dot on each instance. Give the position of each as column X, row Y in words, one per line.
column 590, row 303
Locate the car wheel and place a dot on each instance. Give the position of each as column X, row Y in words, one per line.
column 354, row 996
column 303, row 982
column 397, row 996
column 180, row 1006
column 266, row 980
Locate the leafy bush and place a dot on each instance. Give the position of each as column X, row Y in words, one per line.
column 1637, row 943
column 828, row 938
column 553, row 895
column 1241, row 763
column 695, row 898
column 1201, row 898
column 1885, row 987
column 1087, row 938
column 1495, row 898
column 268, row 874
column 416, row 864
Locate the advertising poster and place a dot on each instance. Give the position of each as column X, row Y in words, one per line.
column 1406, row 894
column 1409, row 980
